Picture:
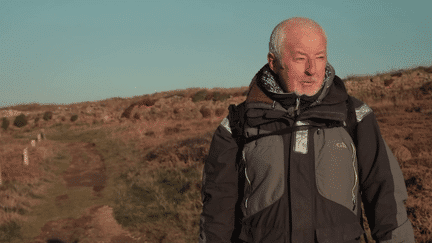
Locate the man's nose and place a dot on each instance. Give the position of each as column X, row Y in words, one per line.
column 310, row 67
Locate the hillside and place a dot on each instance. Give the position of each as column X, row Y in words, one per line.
column 127, row 168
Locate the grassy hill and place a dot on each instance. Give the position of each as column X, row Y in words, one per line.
column 151, row 150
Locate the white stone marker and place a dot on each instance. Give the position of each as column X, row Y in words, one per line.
column 26, row 160
column 39, row 137
column 33, row 143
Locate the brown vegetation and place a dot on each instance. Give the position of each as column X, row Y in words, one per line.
column 156, row 141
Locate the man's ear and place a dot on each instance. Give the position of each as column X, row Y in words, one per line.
column 272, row 61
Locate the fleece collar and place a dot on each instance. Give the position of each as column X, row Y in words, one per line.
column 265, row 88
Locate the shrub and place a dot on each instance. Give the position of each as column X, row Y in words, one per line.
column 137, row 116
column 388, row 82
column 150, row 133
column 146, row 102
column 36, row 119
column 397, row 74
column 20, row 121
column 63, row 118
column 171, row 130
column 220, row 111
column 74, row 118
column 217, row 96
column 5, row 123
column 179, row 94
column 199, row 96
column 126, row 113
column 209, row 96
column 47, row 115
column 205, row 111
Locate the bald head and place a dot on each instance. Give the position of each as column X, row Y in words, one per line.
column 291, row 31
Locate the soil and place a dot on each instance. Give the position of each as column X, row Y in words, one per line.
column 97, row 223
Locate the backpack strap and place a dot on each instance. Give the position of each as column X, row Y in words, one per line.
column 236, row 117
column 351, row 122
column 236, row 120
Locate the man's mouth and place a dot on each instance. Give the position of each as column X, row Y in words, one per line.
column 307, row 83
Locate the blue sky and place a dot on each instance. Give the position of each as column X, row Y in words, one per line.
column 62, row 52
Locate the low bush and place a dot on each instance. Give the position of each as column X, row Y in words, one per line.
column 149, row 134
column 240, row 93
column 220, row 111
column 217, row 96
column 5, row 123
column 205, row 112
column 36, row 119
column 171, row 130
column 199, row 96
column 137, row 116
column 146, row 102
column 20, row 121
column 74, row 118
column 47, row 115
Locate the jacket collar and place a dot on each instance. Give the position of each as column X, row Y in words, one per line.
column 266, row 99
column 265, row 88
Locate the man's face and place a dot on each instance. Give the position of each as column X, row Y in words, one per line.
column 302, row 65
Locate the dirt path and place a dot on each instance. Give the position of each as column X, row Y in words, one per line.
column 96, row 223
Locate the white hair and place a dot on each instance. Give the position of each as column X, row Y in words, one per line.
column 279, row 32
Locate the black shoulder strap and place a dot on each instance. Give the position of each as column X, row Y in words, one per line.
column 236, row 120
column 351, row 120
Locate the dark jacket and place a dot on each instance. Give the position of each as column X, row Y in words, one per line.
column 303, row 186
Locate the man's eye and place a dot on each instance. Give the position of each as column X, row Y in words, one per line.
column 321, row 57
column 300, row 58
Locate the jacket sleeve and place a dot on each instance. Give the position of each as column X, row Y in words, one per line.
column 219, row 188
column 382, row 183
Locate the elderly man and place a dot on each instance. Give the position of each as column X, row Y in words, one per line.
column 314, row 161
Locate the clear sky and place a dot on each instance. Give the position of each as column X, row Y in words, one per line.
column 61, row 52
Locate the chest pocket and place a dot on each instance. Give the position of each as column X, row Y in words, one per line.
column 264, row 172
column 336, row 169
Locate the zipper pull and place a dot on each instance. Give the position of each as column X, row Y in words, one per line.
column 297, row 106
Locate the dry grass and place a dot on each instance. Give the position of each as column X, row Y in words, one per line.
column 165, row 141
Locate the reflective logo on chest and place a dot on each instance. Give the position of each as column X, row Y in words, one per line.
column 341, row 145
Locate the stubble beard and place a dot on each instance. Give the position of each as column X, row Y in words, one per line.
column 298, row 93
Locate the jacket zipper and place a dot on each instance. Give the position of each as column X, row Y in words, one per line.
column 249, row 185
column 297, row 105
column 244, row 159
column 355, row 172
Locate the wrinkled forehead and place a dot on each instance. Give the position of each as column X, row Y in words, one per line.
column 304, row 37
